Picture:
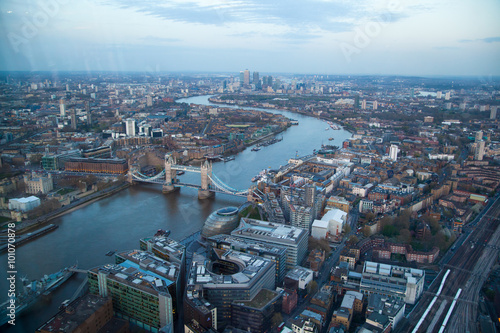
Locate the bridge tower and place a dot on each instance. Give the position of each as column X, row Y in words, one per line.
column 170, row 175
column 206, row 172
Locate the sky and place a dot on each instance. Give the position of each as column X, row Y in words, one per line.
column 387, row 37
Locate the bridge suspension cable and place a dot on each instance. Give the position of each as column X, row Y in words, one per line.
column 224, row 187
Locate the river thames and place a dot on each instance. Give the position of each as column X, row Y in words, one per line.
column 118, row 222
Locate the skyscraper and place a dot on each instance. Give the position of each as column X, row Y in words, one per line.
column 393, row 152
column 246, row 77
column 363, row 104
column 242, row 77
column 255, row 78
column 62, row 107
column 375, row 105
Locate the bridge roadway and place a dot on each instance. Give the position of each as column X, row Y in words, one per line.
column 469, row 268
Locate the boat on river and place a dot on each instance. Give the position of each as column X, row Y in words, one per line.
column 32, row 291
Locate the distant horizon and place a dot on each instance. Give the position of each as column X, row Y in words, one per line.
column 235, row 73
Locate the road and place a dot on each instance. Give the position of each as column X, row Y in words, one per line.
column 323, row 275
column 469, row 267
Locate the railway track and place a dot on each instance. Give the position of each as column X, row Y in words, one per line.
column 469, row 268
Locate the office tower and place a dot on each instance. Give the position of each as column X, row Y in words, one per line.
column 139, row 285
column 256, row 315
column 149, row 100
column 393, row 152
column 412, row 92
column 479, row 136
column 363, row 104
column 130, row 127
column 493, row 112
column 439, row 94
column 294, row 239
column 62, row 107
column 375, row 105
column 255, row 78
column 214, row 284
column 356, row 101
column 402, row 283
column 447, row 96
column 275, row 253
column 246, row 77
column 242, row 77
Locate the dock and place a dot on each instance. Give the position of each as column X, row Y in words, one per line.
column 30, row 236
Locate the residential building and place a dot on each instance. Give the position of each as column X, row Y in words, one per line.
column 338, row 202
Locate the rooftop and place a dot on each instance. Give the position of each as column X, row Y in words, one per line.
column 247, row 244
column 251, row 268
column 142, row 270
column 299, row 273
column 166, row 245
column 74, row 314
column 267, row 230
column 261, row 299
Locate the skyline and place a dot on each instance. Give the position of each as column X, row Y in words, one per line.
column 316, row 36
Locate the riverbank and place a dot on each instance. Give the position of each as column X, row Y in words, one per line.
column 28, row 225
column 346, row 126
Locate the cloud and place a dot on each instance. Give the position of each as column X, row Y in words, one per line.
column 292, row 13
column 484, row 40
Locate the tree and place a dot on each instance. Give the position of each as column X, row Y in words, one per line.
column 353, row 239
column 312, row 287
column 369, row 216
column 366, row 231
column 347, row 228
column 404, row 236
column 389, row 231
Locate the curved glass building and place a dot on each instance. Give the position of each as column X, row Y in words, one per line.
column 222, row 221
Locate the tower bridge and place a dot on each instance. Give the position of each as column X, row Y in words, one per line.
column 209, row 185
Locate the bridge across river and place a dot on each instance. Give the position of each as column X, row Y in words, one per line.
column 209, row 185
